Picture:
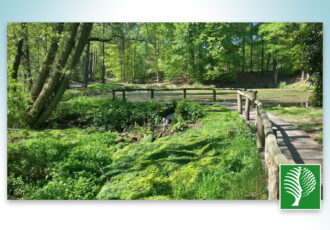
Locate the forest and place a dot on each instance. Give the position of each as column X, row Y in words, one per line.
column 68, row 140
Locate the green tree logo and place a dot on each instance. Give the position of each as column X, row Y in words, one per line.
column 300, row 186
column 299, row 183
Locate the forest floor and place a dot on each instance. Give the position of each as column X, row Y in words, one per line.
column 213, row 158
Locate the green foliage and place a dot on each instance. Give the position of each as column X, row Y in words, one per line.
column 282, row 85
column 44, row 167
column 189, row 111
column 216, row 161
column 311, row 39
column 120, row 115
column 17, row 103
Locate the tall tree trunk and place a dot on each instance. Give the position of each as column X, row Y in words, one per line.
column 17, row 60
column 251, row 49
column 103, row 66
column 123, row 59
column 134, row 53
column 86, row 64
column 54, row 81
column 275, row 70
column 81, row 41
column 268, row 61
column 157, row 54
column 243, row 61
column 27, row 62
column 262, row 56
column 47, row 63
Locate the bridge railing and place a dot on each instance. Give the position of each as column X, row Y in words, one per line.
column 265, row 138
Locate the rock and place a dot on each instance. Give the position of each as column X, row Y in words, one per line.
column 119, row 139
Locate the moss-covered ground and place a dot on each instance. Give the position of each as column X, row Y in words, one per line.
column 214, row 158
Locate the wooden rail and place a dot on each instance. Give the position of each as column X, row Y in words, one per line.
column 184, row 91
column 265, row 138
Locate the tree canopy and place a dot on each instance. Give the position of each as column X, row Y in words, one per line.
column 45, row 57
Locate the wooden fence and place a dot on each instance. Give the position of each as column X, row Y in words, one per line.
column 183, row 90
column 266, row 137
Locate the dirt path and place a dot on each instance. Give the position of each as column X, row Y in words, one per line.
column 295, row 144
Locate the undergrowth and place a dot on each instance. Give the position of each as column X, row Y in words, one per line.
column 217, row 159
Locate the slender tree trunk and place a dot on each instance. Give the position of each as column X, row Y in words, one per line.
column 54, row 81
column 27, row 53
column 103, row 66
column 86, row 64
column 157, row 54
column 262, row 56
column 302, row 76
column 243, row 61
column 47, row 63
column 275, row 70
column 81, row 41
column 251, row 50
column 17, row 60
column 123, row 59
column 134, row 53
column 268, row 61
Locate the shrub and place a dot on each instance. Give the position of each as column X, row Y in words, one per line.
column 17, row 102
column 119, row 115
column 282, row 85
column 189, row 111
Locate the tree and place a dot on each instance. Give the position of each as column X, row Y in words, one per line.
column 48, row 61
column 17, row 59
column 311, row 39
column 52, row 92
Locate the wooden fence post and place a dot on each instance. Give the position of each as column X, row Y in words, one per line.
column 275, row 131
column 214, row 95
column 239, row 103
column 247, row 109
column 113, row 94
column 260, row 130
column 124, row 97
column 273, row 177
column 152, row 94
column 184, row 93
column 255, row 94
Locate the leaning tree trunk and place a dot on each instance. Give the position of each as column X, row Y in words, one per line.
column 81, row 41
column 17, row 60
column 47, row 63
column 86, row 63
column 53, row 82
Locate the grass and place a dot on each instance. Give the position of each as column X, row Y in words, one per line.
column 215, row 159
column 308, row 119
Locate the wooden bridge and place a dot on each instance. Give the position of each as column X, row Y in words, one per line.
column 278, row 141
